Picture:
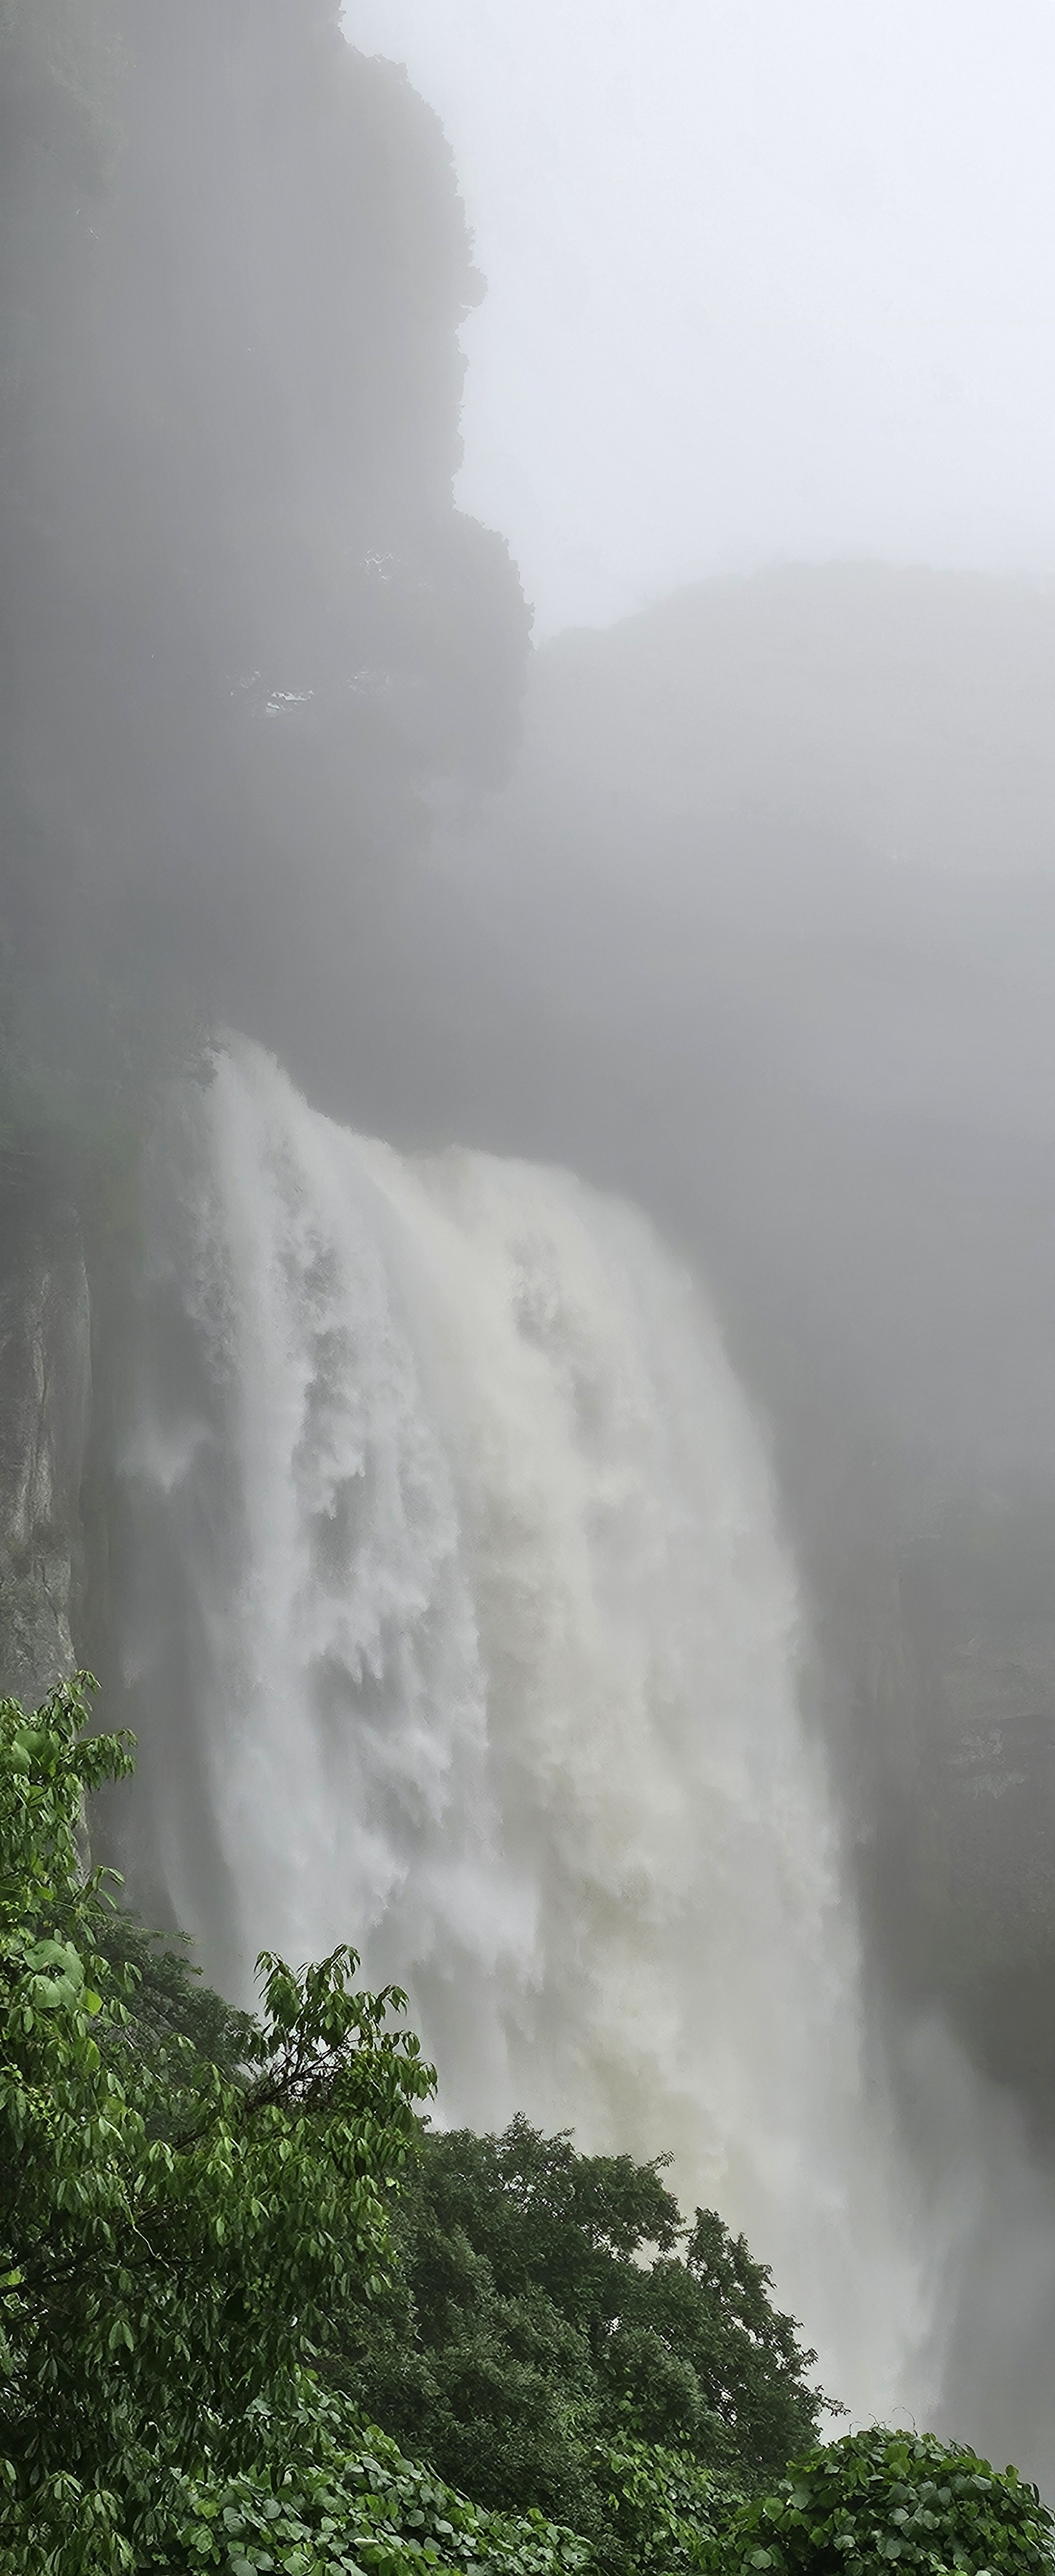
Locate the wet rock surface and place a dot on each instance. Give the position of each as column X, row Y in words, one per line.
column 45, row 1402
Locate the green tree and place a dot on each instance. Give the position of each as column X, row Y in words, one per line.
column 174, row 2228
column 881, row 2499
column 553, row 2311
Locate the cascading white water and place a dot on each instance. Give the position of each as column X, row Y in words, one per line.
column 456, row 1622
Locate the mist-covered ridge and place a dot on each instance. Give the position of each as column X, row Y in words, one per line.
column 246, row 633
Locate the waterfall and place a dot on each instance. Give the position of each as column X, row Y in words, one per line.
column 456, row 1620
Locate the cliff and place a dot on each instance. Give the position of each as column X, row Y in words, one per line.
column 45, row 1405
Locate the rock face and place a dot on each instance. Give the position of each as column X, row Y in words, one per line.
column 45, row 1403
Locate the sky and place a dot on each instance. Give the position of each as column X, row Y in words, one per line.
column 768, row 279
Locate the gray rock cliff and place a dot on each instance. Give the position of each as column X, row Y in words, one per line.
column 45, row 1404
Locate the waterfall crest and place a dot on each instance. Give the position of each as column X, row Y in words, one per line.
column 456, row 1621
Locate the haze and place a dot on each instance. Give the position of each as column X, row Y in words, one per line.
column 764, row 281
column 732, row 899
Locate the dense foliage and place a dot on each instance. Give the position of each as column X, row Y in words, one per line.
column 326, row 2494
column 551, row 2306
column 173, row 2231
column 880, row 2499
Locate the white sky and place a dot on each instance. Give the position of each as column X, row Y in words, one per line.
column 766, row 278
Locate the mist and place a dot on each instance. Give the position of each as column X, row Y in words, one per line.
column 764, row 927
column 729, row 896
column 765, row 284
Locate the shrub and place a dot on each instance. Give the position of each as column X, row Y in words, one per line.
column 330, row 2496
column 882, row 2499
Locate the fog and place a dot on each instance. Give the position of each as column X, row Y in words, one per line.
column 765, row 282
column 761, row 934
column 733, row 893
